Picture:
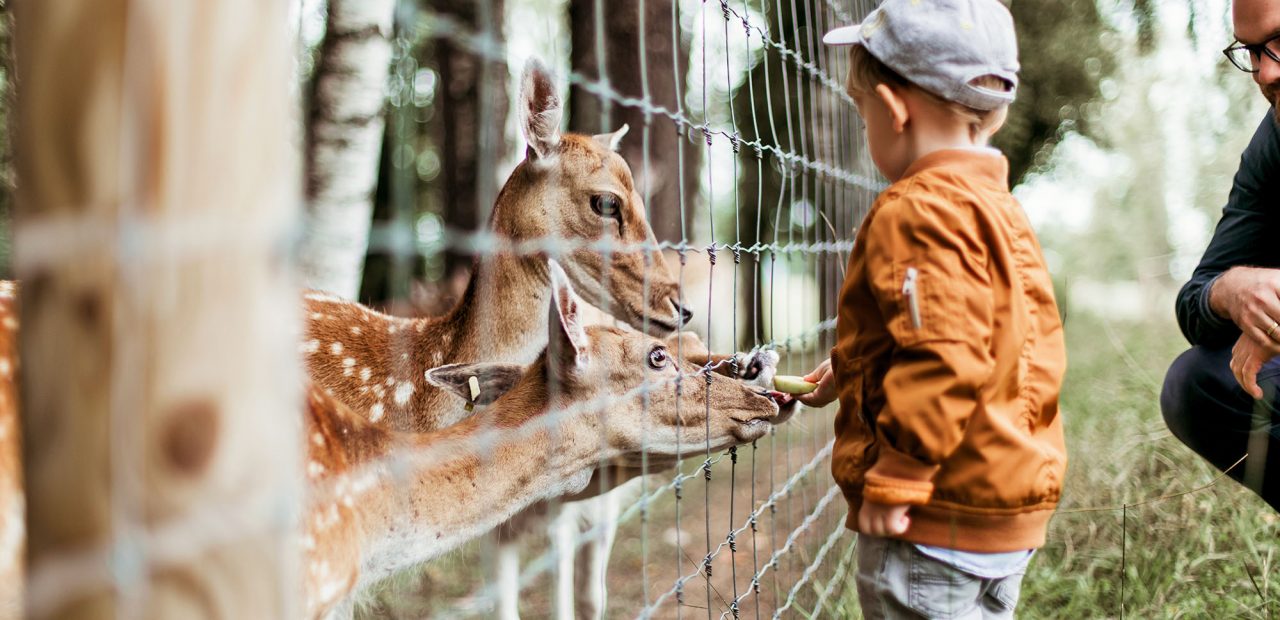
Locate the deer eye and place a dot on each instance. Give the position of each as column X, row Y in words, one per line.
column 658, row 358
column 607, row 205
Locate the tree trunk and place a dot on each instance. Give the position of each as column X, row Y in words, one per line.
column 462, row 123
column 162, row 457
column 344, row 142
column 620, row 39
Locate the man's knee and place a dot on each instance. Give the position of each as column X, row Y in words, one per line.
column 1192, row 385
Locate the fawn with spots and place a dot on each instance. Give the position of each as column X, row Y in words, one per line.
column 570, row 188
column 380, row 500
column 542, row 438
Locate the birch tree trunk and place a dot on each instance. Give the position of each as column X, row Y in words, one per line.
column 157, row 183
column 344, row 142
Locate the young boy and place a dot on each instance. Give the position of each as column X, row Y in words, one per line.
column 949, row 354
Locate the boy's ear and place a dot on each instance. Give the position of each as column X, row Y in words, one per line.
column 897, row 107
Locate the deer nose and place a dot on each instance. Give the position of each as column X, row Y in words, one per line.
column 686, row 315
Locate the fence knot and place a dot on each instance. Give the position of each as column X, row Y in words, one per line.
column 734, row 142
column 724, row 8
column 711, row 254
column 679, row 594
column 755, row 584
column 678, row 488
column 737, row 253
column 733, row 455
column 733, row 543
column 706, row 565
column 733, row 607
column 706, row 469
column 754, row 527
column 758, row 149
column 706, row 133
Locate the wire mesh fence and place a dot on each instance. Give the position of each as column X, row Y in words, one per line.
column 764, row 223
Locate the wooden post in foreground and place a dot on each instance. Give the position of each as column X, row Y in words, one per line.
column 157, row 183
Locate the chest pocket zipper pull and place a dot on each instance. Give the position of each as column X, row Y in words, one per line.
column 909, row 292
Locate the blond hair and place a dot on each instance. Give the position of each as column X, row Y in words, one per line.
column 867, row 71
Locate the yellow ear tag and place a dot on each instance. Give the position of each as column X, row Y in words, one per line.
column 475, row 387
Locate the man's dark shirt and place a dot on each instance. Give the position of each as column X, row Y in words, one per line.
column 1248, row 234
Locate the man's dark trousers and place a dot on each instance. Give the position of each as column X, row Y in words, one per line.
column 1207, row 409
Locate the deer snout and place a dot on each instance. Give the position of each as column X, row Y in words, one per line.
column 685, row 315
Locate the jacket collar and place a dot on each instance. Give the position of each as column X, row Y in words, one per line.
column 978, row 163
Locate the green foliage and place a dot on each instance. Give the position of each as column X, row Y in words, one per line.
column 1064, row 52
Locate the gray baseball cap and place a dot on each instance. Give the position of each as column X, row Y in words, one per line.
column 941, row 45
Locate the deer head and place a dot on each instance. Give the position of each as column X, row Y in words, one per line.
column 583, row 192
column 646, row 398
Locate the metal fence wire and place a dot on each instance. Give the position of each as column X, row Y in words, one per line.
column 783, row 180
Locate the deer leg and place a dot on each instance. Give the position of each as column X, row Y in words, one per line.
column 564, row 530
column 508, row 579
column 593, row 557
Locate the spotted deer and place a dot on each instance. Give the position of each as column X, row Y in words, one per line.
column 380, row 499
column 581, row 402
column 571, row 189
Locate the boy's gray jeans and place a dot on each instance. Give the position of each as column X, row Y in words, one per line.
column 896, row 581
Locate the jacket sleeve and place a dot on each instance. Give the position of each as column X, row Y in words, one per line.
column 930, row 277
column 1244, row 236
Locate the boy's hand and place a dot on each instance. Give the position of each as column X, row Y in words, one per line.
column 826, row 391
column 883, row 520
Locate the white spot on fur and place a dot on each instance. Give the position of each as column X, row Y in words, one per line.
column 336, row 348
column 316, row 316
column 314, row 469
column 390, row 381
column 365, row 373
column 13, row 530
column 355, row 329
column 376, row 412
column 403, row 392
column 324, row 297
column 420, row 326
column 404, row 357
column 317, row 439
column 6, row 369
column 10, row 323
column 379, row 390
column 311, row 346
column 392, row 328
column 348, row 362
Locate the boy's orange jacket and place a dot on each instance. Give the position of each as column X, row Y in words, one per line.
column 949, row 358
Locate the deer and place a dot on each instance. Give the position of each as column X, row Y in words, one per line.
column 581, row 402
column 380, row 499
column 569, row 187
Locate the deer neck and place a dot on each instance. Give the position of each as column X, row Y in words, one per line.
column 502, row 316
column 494, row 465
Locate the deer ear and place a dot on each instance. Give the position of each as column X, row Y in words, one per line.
column 611, row 141
column 540, row 110
column 567, row 347
column 491, row 380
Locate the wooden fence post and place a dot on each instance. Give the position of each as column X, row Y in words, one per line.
column 158, row 187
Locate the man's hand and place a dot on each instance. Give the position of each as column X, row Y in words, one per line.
column 826, row 391
column 1247, row 357
column 883, row 520
column 1250, row 297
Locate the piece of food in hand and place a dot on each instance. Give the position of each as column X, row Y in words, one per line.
column 793, row 385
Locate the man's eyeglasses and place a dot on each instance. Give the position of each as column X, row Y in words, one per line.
column 1248, row 58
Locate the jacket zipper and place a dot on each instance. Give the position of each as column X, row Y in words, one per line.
column 909, row 292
